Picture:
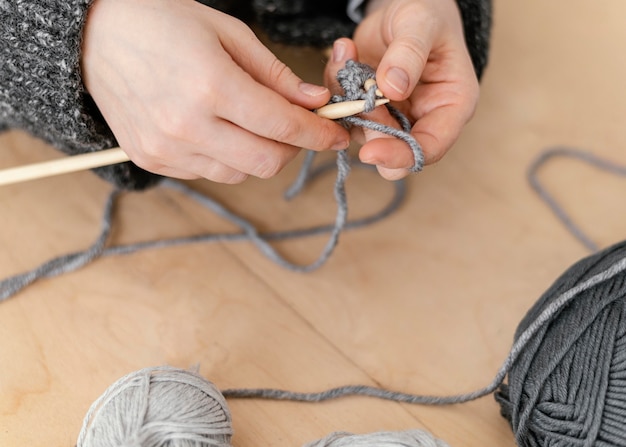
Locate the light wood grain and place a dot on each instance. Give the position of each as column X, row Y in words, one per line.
column 426, row 301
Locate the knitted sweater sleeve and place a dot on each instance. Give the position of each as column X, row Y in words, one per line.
column 477, row 19
column 41, row 90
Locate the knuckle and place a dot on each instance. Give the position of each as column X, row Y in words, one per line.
column 168, row 123
column 147, row 162
column 285, row 131
column 279, row 71
column 271, row 164
column 269, row 167
column 415, row 50
column 153, row 150
column 220, row 173
column 234, row 178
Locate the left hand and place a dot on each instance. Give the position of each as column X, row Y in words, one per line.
column 422, row 64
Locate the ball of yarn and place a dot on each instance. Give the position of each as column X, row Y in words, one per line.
column 406, row 438
column 568, row 385
column 159, row 406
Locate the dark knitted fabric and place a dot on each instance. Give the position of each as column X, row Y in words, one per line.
column 40, row 83
column 41, row 89
column 477, row 17
column 302, row 22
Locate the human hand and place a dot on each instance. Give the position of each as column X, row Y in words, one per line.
column 191, row 92
column 422, row 64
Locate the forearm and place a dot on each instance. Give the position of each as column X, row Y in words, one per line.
column 41, row 89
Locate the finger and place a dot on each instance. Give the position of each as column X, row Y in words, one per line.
column 438, row 130
column 392, row 174
column 262, row 111
column 216, row 171
column 246, row 152
column 344, row 49
column 257, row 60
column 387, row 152
column 226, row 143
column 197, row 166
column 384, row 150
column 409, row 40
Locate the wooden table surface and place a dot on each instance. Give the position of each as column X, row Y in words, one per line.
column 426, row 301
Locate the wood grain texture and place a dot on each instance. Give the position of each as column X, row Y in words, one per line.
column 426, row 301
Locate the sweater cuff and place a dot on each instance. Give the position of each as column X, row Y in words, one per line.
column 477, row 19
column 41, row 89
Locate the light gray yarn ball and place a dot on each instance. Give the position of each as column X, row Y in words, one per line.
column 158, row 407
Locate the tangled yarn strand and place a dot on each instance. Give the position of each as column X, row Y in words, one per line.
column 352, row 78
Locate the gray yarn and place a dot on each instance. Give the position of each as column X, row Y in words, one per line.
column 73, row 261
column 567, row 387
column 406, row 438
column 65, row 263
column 170, row 407
column 381, row 393
column 351, row 78
column 147, row 409
column 158, row 407
column 555, row 207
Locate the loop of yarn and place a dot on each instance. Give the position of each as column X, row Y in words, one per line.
column 577, row 154
column 157, row 407
column 406, row 438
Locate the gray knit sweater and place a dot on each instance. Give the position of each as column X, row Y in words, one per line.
column 41, row 90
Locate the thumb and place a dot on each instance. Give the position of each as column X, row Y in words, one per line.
column 404, row 60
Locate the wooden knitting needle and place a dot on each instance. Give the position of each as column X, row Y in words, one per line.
column 369, row 83
column 347, row 108
column 62, row 166
column 116, row 155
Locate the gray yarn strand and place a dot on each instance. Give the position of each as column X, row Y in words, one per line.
column 65, row 263
column 73, row 261
column 303, row 176
column 382, row 393
column 550, row 201
column 343, row 168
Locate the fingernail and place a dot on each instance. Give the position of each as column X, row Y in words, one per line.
column 340, row 145
column 397, row 79
column 339, row 51
column 312, row 89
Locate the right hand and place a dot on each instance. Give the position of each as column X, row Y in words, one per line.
column 191, row 92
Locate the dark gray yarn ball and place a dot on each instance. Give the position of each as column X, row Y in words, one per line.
column 568, row 386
